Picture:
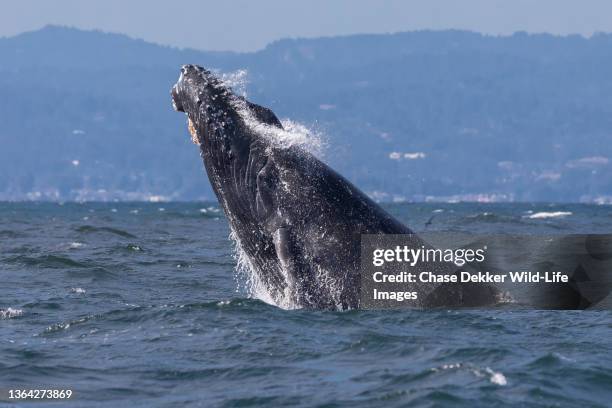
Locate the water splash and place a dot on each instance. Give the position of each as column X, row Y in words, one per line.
column 237, row 81
column 78, row 290
column 247, row 276
column 248, row 279
column 292, row 134
column 496, row 377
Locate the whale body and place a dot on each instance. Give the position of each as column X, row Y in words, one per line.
column 298, row 222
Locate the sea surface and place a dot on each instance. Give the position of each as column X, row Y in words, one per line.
column 137, row 305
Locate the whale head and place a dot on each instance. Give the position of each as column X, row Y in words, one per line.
column 207, row 103
column 219, row 122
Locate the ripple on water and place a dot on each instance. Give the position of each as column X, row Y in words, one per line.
column 135, row 313
column 45, row 261
column 11, row 234
column 89, row 229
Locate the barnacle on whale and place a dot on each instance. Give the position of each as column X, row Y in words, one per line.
column 193, row 132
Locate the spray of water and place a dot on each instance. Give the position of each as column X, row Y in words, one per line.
column 292, row 134
column 237, row 81
column 249, row 282
column 246, row 277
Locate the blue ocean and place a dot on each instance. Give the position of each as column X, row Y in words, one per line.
column 139, row 305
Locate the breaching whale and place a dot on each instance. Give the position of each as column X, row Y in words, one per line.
column 298, row 221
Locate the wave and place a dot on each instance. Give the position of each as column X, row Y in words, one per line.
column 448, row 378
column 209, row 210
column 90, row 229
column 552, row 214
column 11, row 234
column 495, row 377
column 133, row 248
column 136, row 313
column 45, row 261
column 489, row 217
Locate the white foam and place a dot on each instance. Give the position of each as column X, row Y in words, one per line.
column 157, row 199
column 76, row 245
column 10, row 313
column 452, row 366
column 78, row 290
column 552, row 214
column 496, row 377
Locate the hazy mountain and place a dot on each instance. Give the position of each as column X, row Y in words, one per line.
column 451, row 114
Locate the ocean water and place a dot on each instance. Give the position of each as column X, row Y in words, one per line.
column 138, row 305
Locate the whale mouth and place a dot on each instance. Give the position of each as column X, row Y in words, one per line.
column 193, row 132
column 178, row 106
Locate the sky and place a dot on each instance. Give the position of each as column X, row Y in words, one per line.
column 248, row 25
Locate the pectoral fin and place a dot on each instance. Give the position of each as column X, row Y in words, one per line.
column 283, row 244
column 300, row 279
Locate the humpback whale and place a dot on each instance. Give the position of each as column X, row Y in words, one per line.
column 298, row 222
